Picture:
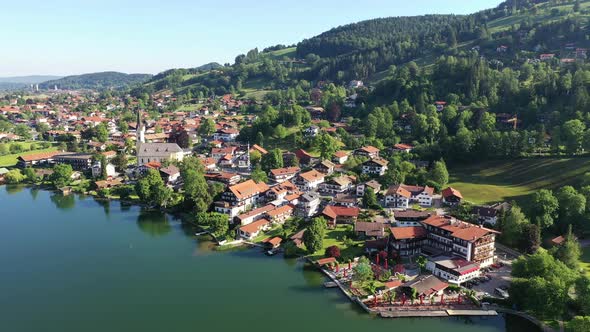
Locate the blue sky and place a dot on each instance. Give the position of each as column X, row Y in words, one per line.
column 64, row 37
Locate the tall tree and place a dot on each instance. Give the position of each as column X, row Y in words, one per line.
column 313, row 238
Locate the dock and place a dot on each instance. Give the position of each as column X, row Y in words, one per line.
column 330, row 284
column 472, row 313
column 435, row 313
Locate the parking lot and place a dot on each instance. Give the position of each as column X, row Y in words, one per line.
column 497, row 277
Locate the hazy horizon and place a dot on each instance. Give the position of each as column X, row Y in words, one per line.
column 65, row 38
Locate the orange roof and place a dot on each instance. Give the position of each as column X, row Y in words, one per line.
column 558, row 240
column 279, row 211
column 370, row 149
column 448, row 192
column 256, row 212
column 412, row 232
column 340, row 211
column 402, row 146
column 275, row 241
column 399, row 190
column 325, row 261
column 284, row 171
column 248, row 189
column 312, row 175
column 39, row 156
column 255, row 226
column 259, row 149
column 459, row 229
column 340, row 154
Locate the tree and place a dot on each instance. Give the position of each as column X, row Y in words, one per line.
column 583, row 294
column 152, row 190
column 62, row 175
column 197, row 196
column 327, row 145
column 512, row 226
column 101, row 132
column 103, row 166
column 120, row 161
column 421, row 261
column 255, row 157
column 259, row 175
column 545, row 207
column 573, row 133
column 369, row 198
column 23, row 131
column 363, row 271
column 571, row 205
column 579, row 324
column 439, row 173
column 30, row 175
column 531, row 238
column 313, row 238
column 570, row 251
column 14, row 176
column 272, row 160
column 332, row 251
column 207, row 127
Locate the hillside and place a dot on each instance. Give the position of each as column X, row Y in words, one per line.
column 98, row 81
column 23, row 82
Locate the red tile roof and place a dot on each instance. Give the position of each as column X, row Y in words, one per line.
column 449, row 192
column 411, row 232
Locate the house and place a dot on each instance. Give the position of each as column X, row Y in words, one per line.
column 340, row 157
column 304, row 157
column 373, row 184
column 402, row 148
column 405, row 218
column 250, row 231
column 34, row 159
column 220, row 153
column 239, row 197
column 170, row 174
column 368, row 230
column 454, row 270
column 557, row 241
column 355, row 84
column 308, row 205
column 375, row 166
column 486, row 214
column 326, row 167
column 337, row 185
column 367, row 151
column 427, row 286
column 256, row 214
column 258, row 148
column 316, row 112
column 282, row 190
column 407, row 241
column 272, row 243
column 226, row 134
column 297, row 238
column 544, row 57
column 284, row 174
column 280, row 214
column 311, row 131
column 452, row 196
column 309, row 180
column 78, row 161
column 97, row 170
column 440, row 105
column 345, row 200
column 226, row 178
column 107, row 184
column 160, row 152
column 397, row 197
column 340, row 214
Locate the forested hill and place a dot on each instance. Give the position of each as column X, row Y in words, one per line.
column 97, row 81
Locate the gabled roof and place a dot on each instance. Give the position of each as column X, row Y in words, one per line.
column 254, row 226
column 405, row 233
column 459, row 229
column 248, row 189
column 369, row 149
column 398, row 190
column 312, row 175
column 39, row 156
column 284, row 171
column 449, row 192
column 340, row 211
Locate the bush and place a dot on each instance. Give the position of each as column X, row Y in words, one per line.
column 333, row 251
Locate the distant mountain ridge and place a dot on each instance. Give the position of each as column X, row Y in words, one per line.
column 30, row 79
column 97, row 81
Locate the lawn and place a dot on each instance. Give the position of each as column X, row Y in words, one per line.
column 10, row 159
column 335, row 237
column 585, row 260
column 515, row 180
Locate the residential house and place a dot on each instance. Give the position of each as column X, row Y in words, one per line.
column 281, row 191
column 170, row 174
column 369, row 230
column 256, row 214
column 455, row 270
column 226, row 134
column 376, row 166
column 397, row 197
column 427, row 286
column 326, row 167
column 486, row 214
column 337, row 185
column 78, row 161
column 226, row 178
column 304, row 157
column 367, row 151
column 251, row 230
column 404, row 218
column 240, row 197
column 451, row 196
column 220, row 153
column 97, row 170
column 402, row 148
column 340, row 157
column 35, row 159
column 340, row 214
column 284, row 174
column 309, row 180
column 280, row 214
column 311, row 131
column 373, row 184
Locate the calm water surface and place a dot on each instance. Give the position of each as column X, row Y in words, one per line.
column 74, row 264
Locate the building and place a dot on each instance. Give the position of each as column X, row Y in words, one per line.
column 170, row 174
column 78, row 161
column 340, row 157
column 35, row 159
column 97, row 170
column 309, row 204
column 404, row 218
column 159, row 152
column 250, row 231
column 311, row 131
column 360, row 189
column 240, row 197
column 407, row 241
column 486, row 214
column 340, row 215
column 309, row 180
column 337, row 185
column 284, row 174
column 367, row 151
column 326, row 167
column 402, row 148
column 453, row 269
column 449, row 236
column 427, row 286
column 280, row 214
column 369, row 230
column 376, row 166
column 451, row 196
column 400, row 196
column 226, row 135
column 256, row 214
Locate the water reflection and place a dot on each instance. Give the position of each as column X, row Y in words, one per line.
column 106, row 205
column 34, row 193
column 154, row 223
column 62, row 202
column 14, row 188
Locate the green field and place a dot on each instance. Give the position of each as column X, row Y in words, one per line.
column 514, row 180
column 10, row 160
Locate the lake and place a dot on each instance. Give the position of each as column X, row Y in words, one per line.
column 75, row 264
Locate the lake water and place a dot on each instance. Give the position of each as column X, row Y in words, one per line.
column 74, row 264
